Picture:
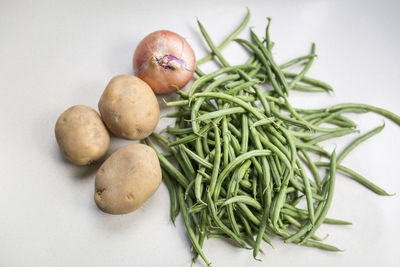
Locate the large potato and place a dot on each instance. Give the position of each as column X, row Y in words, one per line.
column 129, row 107
column 127, row 179
column 81, row 135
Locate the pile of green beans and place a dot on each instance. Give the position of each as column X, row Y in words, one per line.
column 238, row 154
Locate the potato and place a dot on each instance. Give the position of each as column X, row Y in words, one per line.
column 127, row 179
column 129, row 107
column 82, row 135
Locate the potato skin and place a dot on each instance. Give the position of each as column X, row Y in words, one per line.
column 127, row 179
column 129, row 107
column 82, row 135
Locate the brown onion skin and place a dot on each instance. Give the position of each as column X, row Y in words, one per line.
column 158, row 44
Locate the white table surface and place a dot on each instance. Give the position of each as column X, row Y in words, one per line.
column 55, row 54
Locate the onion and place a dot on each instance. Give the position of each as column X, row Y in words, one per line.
column 165, row 61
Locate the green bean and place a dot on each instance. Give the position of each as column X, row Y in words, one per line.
column 280, row 198
column 261, row 56
column 241, row 86
column 274, row 66
column 223, row 112
column 296, row 60
column 311, row 89
column 268, row 42
column 310, row 81
column 233, row 84
column 191, row 137
column 180, row 178
column 213, row 48
column 304, row 71
column 199, row 148
column 313, row 168
column 187, row 166
column 357, row 177
column 266, row 121
column 314, row 148
column 245, row 134
column 182, row 94
column 308, row 226
column 307, row 190
column 179, row 131
column 236, row 180
column 199, row 72
column 189, row 229
column 204, row 142
column 167, row 154
column 177, row 114
column 276, row 175
column 345, row 122
column 358, row 141
column 308, row 124
column 199, row 102
column 390, row 115
column 246, row 224
column 234, row 130
column 311, row 243
column 194, row 217
column 235, row 143
column 232, row 36
column 178, row 103
column 213, row 213
column 184, row 103
column 261, row 230
column 327, row 136
column 235, row 100
column 243, row 199
column 303, row 215
column 232, row 220
column 297, row 224
column 337, row 113
column 233, row 164
column 196, row 85
column 332, row 175
column 200, row 206
column 336, row 221
column 301, row 134
column 171, row 192
column 266, row 176
column 247, row 213
column 242, row 172
column 225, row 138
column 320, row 245
column 189, row 187
column 259, row 94
column 217, row 160
column 198, row 183
column 273, row 148
column 202, row 234
column 287, row 119
column 196, row 157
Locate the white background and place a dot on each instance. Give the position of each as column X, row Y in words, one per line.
column 54, row 54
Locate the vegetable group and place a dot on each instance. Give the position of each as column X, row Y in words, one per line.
column 81, row 135
column 165, row 61
column 127, row 179
column 131, row 175
column 242, row 151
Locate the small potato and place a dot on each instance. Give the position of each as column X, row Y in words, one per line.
column 82, row 135
column 127, row 179
column 129, row 107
